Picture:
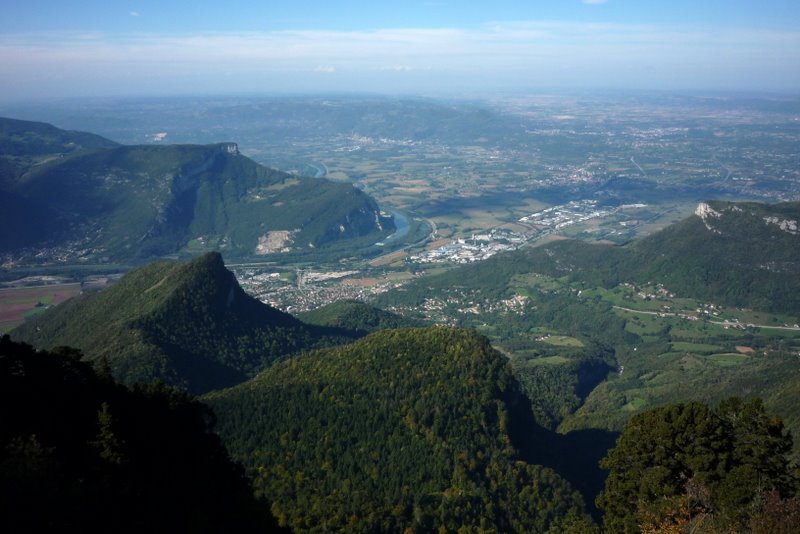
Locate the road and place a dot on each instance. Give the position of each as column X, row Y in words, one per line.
column 731, row 324
column 638, row 167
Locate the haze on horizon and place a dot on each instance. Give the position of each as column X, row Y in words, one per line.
column 52, row 49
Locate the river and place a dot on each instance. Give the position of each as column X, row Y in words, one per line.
column 401, row 228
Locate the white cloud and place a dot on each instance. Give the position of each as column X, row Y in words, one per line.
column 397, row 68
column 515, row 54
column 134, row 13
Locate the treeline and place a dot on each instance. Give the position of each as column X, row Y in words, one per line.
column 82, row 453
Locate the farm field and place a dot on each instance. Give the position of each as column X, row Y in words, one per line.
column 17, row 304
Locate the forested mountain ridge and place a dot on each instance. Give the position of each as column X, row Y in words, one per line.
column 356, row 316
column 736, row 253
column 407, row 428
column 739, row 253
column 24, row 146
column 186, row 324
column 119, row 203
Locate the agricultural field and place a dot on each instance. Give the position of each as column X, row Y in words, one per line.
column 17, row 304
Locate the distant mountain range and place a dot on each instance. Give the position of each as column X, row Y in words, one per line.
column 75, row 196
column 285, row 119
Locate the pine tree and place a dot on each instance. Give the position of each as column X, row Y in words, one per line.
column 110, row 448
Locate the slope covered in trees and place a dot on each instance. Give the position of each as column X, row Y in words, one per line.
column 740, row 254
column 81, row 453
column 402, row 429
column 185, row 324
column 25, row 145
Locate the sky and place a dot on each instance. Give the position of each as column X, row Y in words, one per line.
column 56, row 48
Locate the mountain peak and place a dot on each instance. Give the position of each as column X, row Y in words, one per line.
column 209, row 261
column 186, row 324
column 706, row 212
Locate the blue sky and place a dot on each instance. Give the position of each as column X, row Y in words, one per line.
column 439, row 47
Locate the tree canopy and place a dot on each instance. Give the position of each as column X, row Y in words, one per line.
column 404, row 429
column 691, row 465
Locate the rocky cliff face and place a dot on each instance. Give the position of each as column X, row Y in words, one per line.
column 361, row 221
column 707, row 213
column 787, row 225
column 727, row 217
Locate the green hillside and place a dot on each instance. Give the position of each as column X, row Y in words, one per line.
column 356, row 316
column 81, row 453
column 185, row 324
column 740, row 254
column 402, row 429
column 24, row 144
column 129, row 202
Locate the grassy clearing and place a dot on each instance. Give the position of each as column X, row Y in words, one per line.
column 728, row 359
column 547, row 360
column 695, row 329
column 634, row 405
column 535, row 281
column 643, row 325
column 626, row 297
column 773, row 319
column 34, row 312
column 280, row 186
column 563, row 341
column 695, row 347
